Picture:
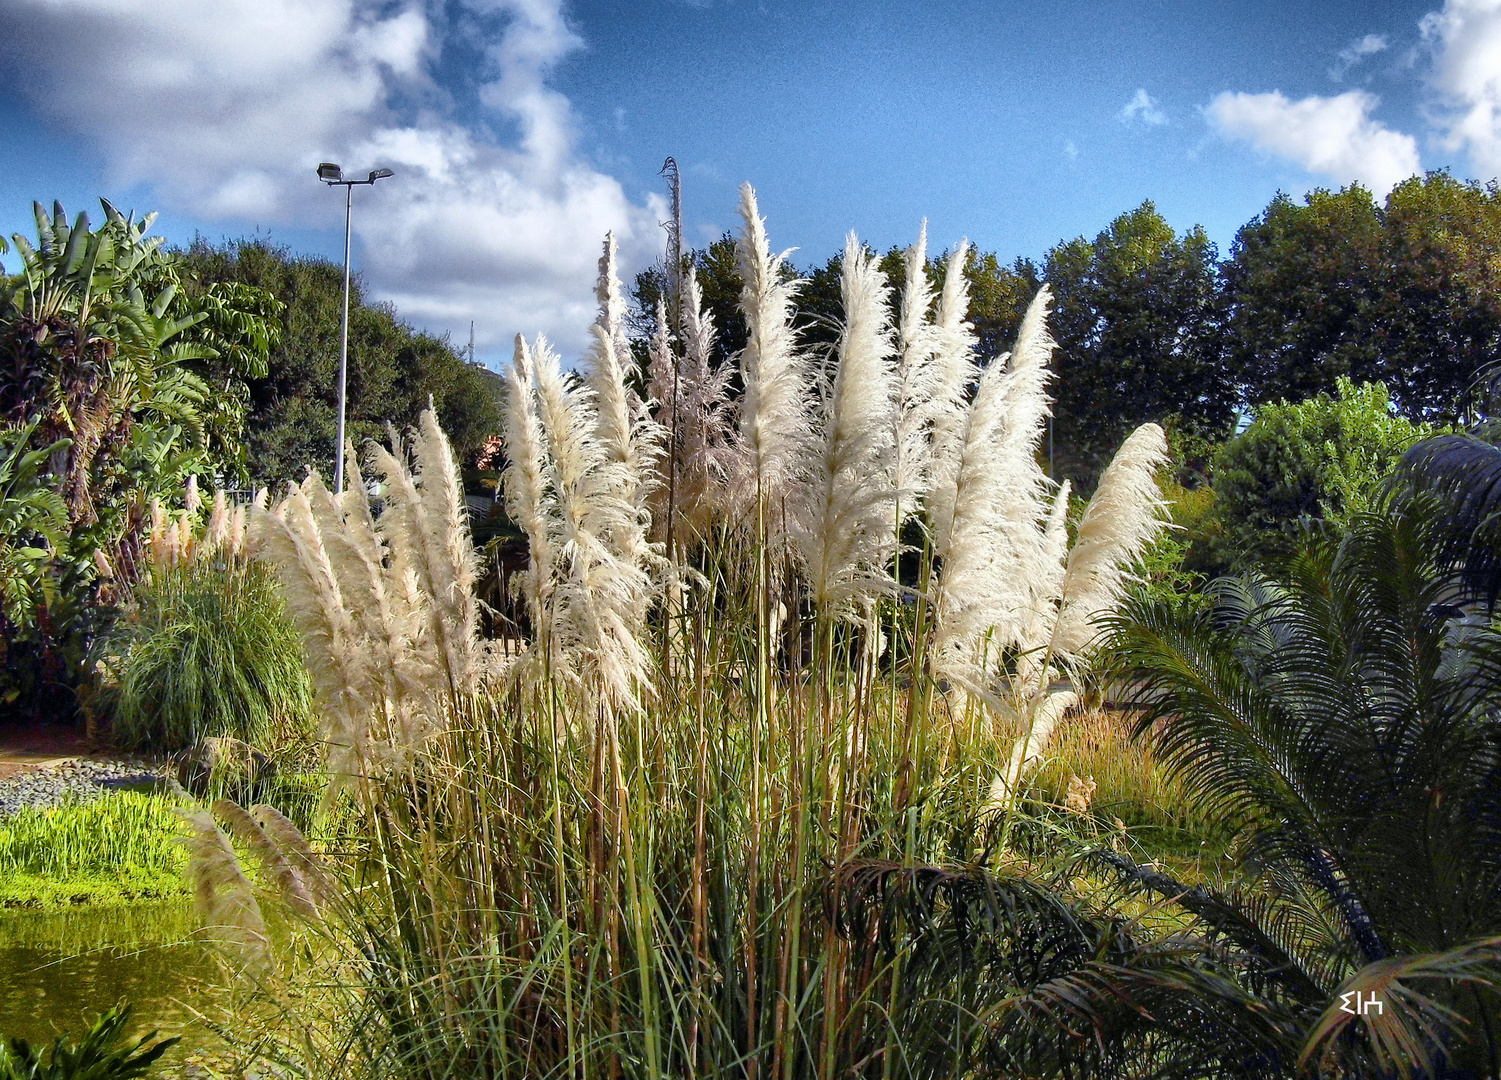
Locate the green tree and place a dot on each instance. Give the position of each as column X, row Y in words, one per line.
column 1440, row 323
column 101, row 345
column 1406, row 294
column 32, row 519
column 1305, row 466
column 1136, row 317
column 291, row 417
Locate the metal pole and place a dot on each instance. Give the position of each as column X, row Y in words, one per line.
column 343, row 346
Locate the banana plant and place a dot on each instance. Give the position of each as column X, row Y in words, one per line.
column 31, row 515
column 97, row 345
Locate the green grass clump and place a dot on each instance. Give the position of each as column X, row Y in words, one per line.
column 210, row 651
column 116, row 848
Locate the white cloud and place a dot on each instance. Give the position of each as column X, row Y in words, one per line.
column 1142, row 109
column 1465, row 38
column 1332, row 136
column 1070, row 150
column 1357, row 51
column 225, row 109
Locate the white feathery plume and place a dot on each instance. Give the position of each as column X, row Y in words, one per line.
column 973, row 597
column 525, row 480
column 191, row 500
column 630, row 448
column 631, row 439
column 662, row 372
column 1122, row 519
column 611, row 301
column 1042, row 616
column 953, row 371
column 1021, row 512
column 605, row 378
column 394, row 621
column 425, row 528
column 843, row 531
column 236, row 536
column 158, row 533
column 664, row 391
column 290, row 538
column 707, row 457
column 917, row 378
column 294, row 847
column 994, row 568
column 774, row 421
column 216, row 533
column 274, row 863
column 454, row 562
column 598, row 592
column 183, row 542
column 1038, row 718
column 223, row 894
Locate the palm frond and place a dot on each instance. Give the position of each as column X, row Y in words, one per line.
column 1463, row 473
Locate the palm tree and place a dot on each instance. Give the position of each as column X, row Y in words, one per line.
column 1348, row 714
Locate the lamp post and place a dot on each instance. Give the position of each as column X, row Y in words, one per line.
column 333, row 176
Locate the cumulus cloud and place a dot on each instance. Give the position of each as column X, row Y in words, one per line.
column 1332, row 136
column 1357, row 51
column 1142, row 109
column 226, row 108
column 1465, row 37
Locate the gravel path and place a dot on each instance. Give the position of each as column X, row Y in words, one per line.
column 76, row 780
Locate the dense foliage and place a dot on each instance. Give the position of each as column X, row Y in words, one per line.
column 206, row 647
column 104, row 1053
column 1346, row 711
column 1408, row 294
column 1137, row 328
column 106, row 401
column 1306, row 467
column 291, row 411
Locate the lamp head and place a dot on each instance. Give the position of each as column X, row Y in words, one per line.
column 380, row 174
column 330, row 173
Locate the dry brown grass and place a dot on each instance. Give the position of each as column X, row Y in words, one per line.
column 1133, row 787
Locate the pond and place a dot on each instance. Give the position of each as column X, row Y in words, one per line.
column 62, row 968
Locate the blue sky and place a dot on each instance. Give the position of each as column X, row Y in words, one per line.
column 522, row 129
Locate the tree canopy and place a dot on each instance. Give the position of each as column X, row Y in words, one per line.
column 1408, row 294
column 291, row 420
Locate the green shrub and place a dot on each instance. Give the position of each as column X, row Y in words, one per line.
column 1306, row 466
column 210, row 651
column 103, row 1054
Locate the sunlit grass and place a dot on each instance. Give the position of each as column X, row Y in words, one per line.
column 116, row 848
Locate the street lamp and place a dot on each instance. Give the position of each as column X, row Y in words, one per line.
column 333, row 176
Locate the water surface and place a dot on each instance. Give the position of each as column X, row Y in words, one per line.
column 59, row 970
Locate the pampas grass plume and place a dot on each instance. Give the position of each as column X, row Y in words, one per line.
column 222, row 893
column 844, row 534
column 1122, row 519
column 269, row 854
column 775, row 426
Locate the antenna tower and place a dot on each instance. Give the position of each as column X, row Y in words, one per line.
column 674, row 229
